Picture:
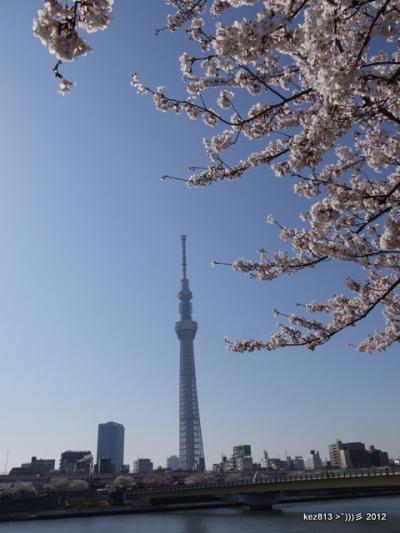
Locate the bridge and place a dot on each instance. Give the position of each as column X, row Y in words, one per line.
column 263, row 492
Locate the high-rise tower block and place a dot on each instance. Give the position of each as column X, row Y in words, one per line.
column 191, row 453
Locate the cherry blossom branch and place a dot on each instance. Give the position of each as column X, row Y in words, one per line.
column 367, row 37
column 57, row 28
column 335, row 131
column 309, row 341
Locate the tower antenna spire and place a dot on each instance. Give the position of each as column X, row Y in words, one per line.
column 183, row 239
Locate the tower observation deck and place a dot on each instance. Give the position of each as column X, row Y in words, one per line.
column 191, row 453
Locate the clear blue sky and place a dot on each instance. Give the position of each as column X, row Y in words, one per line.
column 90, row 270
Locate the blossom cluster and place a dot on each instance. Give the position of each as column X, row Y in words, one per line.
column 57, row 25
column 318, row 85
column 186, row 10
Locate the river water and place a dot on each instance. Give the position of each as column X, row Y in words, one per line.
column 286, row 518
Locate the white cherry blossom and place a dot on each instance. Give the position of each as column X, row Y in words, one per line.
column 57, row 25
column 319, row 86
column 316, row 85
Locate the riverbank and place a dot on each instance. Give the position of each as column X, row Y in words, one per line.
column 142, row 507
column 82, row 513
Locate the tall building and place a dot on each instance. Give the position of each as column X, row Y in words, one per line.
column 110, row 445
column 334, row 453
column 191, row 454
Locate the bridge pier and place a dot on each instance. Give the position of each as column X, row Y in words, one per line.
column 259, row 502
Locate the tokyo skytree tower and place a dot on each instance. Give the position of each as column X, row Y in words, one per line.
column 191, row 454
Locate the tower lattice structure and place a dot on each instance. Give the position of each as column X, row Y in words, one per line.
column 191, row 453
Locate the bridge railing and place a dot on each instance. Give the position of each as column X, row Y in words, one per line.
column 267, row 479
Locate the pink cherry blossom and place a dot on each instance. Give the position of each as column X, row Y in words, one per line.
column 319, row 85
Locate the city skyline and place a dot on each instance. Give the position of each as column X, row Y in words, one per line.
column 356, row 454
column 89, row 273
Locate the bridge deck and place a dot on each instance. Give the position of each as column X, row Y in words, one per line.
column 310, row 482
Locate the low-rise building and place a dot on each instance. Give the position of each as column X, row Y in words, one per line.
column 378, row 457
column 243, row 450
column 240, row 461
column 295, row 464
column 173, row 462
column 238, row 464
column 313, row 462
column 35, row 467
column 142, row 466
column 355, row 455
column 105, row 466
column 345, row 459
column 274, row 464
column 359, row 457
column 80, row 462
